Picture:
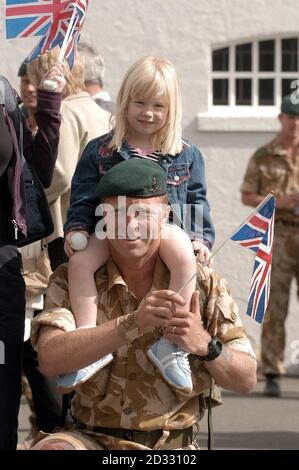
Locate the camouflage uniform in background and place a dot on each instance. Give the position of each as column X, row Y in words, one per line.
column 270, row 169
column 130, row 393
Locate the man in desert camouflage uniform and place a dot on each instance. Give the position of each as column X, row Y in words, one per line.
column 275, row 168
column 128, row 404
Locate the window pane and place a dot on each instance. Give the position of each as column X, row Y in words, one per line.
column 289, row 60
column 220, row 60
column 243, row 91
column 266, row 91
column 266, row 56
column 286, row 86
column 220, row 91
column 243, row 58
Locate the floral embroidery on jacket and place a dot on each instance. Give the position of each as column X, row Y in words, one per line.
column 105, row 151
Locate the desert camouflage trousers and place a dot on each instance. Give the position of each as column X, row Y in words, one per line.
column 285, row 267
column 77, row 440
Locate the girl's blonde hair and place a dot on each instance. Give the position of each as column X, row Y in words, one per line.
column 74, row 78
column 150, row 76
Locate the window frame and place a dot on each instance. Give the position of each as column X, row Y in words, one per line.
column 232, row 74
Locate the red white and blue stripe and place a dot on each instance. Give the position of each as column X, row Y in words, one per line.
column 257, row 234
column 47, row 18
column 25, row 18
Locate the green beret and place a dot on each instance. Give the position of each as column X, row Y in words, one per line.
column 136, row 177
column 22, row 70
column 290, row 105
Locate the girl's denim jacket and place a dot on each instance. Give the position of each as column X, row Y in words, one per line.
column 186, row 187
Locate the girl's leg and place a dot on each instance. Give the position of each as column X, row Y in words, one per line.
column 81, row 268
column 177, row 253
column 84, row 301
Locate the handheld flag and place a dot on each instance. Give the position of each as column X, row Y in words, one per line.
column 51, row 19
column 30, row 18
column 256, row 233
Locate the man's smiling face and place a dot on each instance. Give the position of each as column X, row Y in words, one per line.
column 134, row 225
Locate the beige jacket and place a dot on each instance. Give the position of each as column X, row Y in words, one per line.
column 82, row 121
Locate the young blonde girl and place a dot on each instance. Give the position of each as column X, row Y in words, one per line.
column 147, row 125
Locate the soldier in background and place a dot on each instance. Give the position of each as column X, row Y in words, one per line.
column 275, row 167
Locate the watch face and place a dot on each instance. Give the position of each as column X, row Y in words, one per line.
column 215, row 348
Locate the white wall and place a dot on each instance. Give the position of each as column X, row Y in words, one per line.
column 184, row 31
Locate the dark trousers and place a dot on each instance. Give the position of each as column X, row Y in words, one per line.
column 46, row 400
column 12, row 312
column 56, row 253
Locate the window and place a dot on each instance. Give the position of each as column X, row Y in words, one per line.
column 266, row 56
column 220, row 59
column 243, row 91
column 289, row 55
column 266, row 91
column 220, row 91
column 257, row 73
column 244, row 58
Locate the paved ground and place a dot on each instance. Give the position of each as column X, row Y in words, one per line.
column 251, row 422
column 257, row 422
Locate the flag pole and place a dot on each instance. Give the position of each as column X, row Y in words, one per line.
column 70, row 29
column 213, row 253
column 51, row 85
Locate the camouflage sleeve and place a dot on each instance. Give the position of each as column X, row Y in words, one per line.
column 222, row 315
column 230, row 329
column 252, row 177
column 57, row 310
column 127, row 327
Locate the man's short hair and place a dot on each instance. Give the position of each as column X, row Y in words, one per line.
column 93, row 62
column 22, row 70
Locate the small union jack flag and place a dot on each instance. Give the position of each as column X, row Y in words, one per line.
column 257, row 234
column 47, row 18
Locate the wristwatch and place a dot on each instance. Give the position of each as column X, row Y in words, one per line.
column 214, row 350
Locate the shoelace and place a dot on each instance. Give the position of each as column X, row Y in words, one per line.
column 184, row 360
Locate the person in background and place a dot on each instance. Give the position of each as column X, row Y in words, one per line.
column 275, row 168
column 82, row 121
column 41, row 152
column 94, row 74
column 43, row 399
column 29, row 97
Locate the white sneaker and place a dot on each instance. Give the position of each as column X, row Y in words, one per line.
column 68, row 382
column 173, row 363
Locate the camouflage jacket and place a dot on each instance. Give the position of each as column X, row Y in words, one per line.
column 271, row 169
column 130, row 392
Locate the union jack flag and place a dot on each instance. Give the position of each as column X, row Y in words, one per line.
column 47, row 18
column 257, row 234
